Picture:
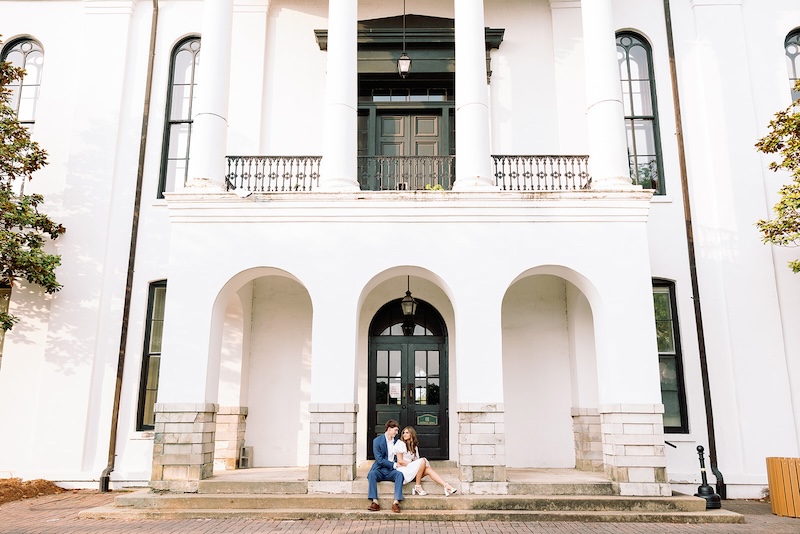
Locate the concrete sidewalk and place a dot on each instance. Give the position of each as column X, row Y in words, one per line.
column 58, row 514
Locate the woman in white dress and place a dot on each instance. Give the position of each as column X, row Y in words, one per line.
column 415, row 468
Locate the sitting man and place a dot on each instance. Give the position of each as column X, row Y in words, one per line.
column 385, row 467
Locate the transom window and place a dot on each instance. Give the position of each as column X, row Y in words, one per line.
column 178, row 123
column 26, row 54
column 669, row 358
column 792, row 45
column 639, row 103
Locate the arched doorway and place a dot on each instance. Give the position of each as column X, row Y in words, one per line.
column 408, row 376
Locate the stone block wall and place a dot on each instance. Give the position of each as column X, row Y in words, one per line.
column 482, row 448
column 183, row 448
column 588, row 439
column 229, row 436
column 633, row 448
column 332, row 448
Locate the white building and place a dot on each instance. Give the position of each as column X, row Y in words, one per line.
column 256, row 301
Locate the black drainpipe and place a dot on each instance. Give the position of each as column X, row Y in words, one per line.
column 687, row 211
column 105, row 477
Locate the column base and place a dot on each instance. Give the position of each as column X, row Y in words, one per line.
column 633, row 448
column 338, row 185
column 482, row 448
column 588, row 439
column 183, row 448
column 614, row 183
column 476, row 183
column 229, row 437
column 332, row 447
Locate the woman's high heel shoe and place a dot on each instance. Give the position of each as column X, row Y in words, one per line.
column 449, row 490
column 418, row 491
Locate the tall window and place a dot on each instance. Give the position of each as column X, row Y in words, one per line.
column 669, row 357
column 151, row 360
column 178, row 123
column 5, row 297
column 27, row 54
column 792, row 45
column 641, row 117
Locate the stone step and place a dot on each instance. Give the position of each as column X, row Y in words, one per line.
column 617, row 516
column 145, row 500
column 211, row 486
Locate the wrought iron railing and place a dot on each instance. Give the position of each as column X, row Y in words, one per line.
column 273, row 173
column 542, row 173
column 406, row 173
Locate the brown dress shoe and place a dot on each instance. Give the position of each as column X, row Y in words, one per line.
column 374, row 507
column 396, row 508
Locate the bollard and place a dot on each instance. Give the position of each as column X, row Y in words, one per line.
column 704, row 490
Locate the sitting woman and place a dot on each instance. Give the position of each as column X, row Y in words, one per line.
column 415, row 468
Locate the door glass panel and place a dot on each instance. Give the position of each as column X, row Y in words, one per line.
column 382, row 391
column 432, row 397
column 420, row 391
column 383, row 363
column 420, row 360
column 395, row 389
column 394, row 363
column 433, row 363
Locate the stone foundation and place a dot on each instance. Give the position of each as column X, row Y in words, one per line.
column 633, row 448
column 332, row 448
column 183, row 447
column 229, row 437
column 588, row 439
column 482, row 448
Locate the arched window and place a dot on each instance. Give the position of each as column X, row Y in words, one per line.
column 792, row 45
column 641, row 117
column 178, row 122
column 25, row 53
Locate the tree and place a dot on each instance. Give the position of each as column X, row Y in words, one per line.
column 784, row 139
column 23, row 227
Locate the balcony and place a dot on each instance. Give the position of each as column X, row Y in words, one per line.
column 267, row 174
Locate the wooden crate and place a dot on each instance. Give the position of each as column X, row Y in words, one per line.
column 783, row 475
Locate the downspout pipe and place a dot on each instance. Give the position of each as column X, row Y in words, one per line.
column 105, row 477
column 687, row 211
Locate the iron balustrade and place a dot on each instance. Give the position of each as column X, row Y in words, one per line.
column 542, row 173
column 273, row 173
column 406, row 173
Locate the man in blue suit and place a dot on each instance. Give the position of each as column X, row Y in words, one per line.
column 385, row 467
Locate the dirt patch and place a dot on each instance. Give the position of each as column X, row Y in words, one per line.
column 14, row 489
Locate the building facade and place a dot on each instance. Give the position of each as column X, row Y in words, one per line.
column 251, row 189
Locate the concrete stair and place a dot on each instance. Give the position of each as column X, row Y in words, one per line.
column 144, row 504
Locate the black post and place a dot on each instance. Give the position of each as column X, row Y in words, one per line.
column 705, row 491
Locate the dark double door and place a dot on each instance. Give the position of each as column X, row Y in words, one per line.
column 408, row 383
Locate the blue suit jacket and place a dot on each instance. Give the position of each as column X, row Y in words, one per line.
column 381, row 453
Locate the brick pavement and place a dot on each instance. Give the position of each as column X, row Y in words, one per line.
column 58, row 514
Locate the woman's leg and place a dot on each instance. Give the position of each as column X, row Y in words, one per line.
column 421, row 471
column 429, row 472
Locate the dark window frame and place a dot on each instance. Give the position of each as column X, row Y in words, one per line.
column 19, row 85
column 678, row 357
column 141, row 424
column 791, row 46
column 632, row 120
column 170, row 121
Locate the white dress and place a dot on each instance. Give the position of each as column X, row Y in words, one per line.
column 414, row 461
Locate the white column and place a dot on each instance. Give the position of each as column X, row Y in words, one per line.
column 339, row 168
column 473, row 170
column 210, row 121
column 608, row 146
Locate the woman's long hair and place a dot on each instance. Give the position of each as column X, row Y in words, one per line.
column 412, row 442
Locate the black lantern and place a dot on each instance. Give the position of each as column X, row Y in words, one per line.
column 408, row 303
column 404, row 62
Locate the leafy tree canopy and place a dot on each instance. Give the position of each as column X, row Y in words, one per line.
column 784, row 139
column 23, row 227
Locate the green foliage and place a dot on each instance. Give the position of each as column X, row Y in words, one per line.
column 23, row 228
column 784, row 139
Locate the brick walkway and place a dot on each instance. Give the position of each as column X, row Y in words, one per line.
column 57, row 514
